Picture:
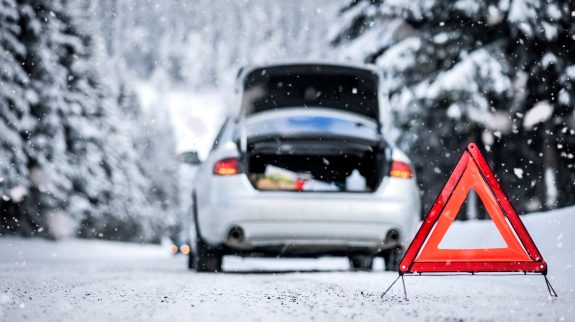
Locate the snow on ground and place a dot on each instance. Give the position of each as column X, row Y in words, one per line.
column 97, row 280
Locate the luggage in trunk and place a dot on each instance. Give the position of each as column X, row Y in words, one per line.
column 315, row 170
column 313, row 150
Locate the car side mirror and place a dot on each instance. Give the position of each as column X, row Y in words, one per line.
column 190, row 157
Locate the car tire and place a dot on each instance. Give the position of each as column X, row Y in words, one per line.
column 208, row 259
column 361, row 263
column 392, row 257
column 191, row 260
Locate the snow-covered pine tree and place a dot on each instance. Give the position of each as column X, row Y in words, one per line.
column 15, row 120
column 132, row 202
column 460, row 71
column 42, row 33
column 157, row 152
column 542, row 50
column 72, row 140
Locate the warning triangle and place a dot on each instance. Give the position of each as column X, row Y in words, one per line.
column 472, row 173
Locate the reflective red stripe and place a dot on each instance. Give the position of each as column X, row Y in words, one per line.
column 475, row 267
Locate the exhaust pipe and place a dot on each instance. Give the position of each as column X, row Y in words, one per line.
column 393, row 237
column 236, row 236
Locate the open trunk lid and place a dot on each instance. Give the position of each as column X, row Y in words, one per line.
column 348, row 89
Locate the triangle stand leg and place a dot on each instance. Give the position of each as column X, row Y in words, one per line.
column 390, row 286
column 404, row 289
column 550, row 288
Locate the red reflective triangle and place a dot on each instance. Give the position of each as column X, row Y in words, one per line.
column 424, row 254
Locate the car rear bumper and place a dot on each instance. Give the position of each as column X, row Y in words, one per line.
column 244, row 218
column 284, row 238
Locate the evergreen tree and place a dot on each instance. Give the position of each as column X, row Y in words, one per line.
column 43, row 35
column 460, row 71
column 73, row 145
column 15, row 120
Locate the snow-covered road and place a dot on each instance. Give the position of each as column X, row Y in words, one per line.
column 78, row 280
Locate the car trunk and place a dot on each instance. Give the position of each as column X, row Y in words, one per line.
column 316, row 169
column 312, row 127
column 313, row 150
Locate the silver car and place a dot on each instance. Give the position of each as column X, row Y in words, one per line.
column 304, row 169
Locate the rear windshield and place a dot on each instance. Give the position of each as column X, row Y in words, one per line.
column 342, row 88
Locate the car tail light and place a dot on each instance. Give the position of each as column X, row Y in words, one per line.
column 400, row 170
column 226, row 167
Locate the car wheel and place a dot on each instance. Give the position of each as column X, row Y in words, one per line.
column 392, row 257
column 361, row 263
column 191, row 260
column 208, row 259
